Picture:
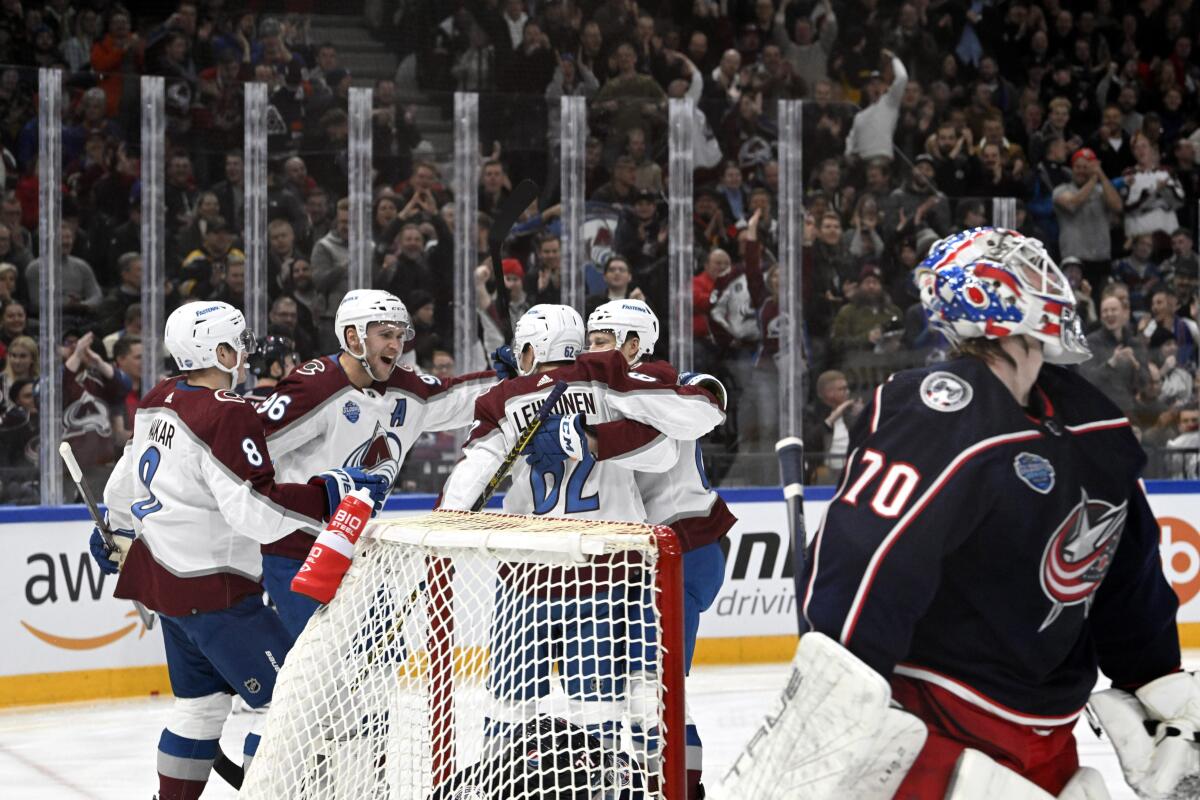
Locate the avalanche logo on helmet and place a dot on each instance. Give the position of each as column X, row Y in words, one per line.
column 1078, row 555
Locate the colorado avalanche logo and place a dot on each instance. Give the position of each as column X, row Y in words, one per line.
column 1078, row 555
column 380, row 447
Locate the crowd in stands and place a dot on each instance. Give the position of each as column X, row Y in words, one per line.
column 918, row 116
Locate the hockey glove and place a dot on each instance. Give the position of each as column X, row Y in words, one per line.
column 1153, row 731
column 708, row 383
column 504, row 362
column 560, row 437
column 344, row 480
column 110, row 559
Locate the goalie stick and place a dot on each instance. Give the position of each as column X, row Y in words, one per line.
column 522, row 441
column 230, row 772
column 525, row 193
column 790, row 452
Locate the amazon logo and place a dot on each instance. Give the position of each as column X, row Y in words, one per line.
column 54, row 580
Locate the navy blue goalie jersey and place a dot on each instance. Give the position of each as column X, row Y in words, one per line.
column 1000, row 552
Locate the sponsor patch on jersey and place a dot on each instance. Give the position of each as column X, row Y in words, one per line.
column 1035, row 472
column 351, row 411
column 1079, row 553
column 945, row 391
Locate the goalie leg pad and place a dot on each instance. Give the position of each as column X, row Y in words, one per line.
column 821, row 739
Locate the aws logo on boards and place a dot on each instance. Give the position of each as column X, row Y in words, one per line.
column 71, row 578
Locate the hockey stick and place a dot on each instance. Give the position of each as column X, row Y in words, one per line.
column 790, row 452
column 525, row 193
column 68, row 457
column 522, row 441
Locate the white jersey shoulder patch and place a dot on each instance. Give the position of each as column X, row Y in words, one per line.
column 945, row 391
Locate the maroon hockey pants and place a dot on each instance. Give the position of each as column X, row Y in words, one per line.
column 1045, row 756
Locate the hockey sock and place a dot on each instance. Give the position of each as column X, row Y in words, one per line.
column 249, row 749
column 695, row 760
column 183, row 765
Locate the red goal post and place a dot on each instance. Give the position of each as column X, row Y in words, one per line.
column 513, row 655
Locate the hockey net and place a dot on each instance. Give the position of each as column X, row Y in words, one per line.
column 487, row 656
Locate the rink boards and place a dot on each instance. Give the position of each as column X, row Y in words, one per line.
column 65, row 638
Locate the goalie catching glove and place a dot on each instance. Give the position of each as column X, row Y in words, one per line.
column 110, row 559
column 1154, row 731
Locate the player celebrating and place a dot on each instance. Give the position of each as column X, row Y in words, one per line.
column 680, row 497
column 989, row 570
column 194, row 478
column 357, row 408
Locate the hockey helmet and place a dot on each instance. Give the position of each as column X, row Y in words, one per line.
column 555, row 333
column 623, row 317
column 194, row 331
column 360, row 308
column 992, row 282
column 273, row 350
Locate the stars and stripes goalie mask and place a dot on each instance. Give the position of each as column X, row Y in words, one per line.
column 991, row 283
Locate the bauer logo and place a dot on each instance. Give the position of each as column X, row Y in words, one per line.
column 1180, row 551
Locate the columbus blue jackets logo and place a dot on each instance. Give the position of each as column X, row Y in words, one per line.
column 351, row 411
column 1035, row 472
column 945, row 391
column 1078, row 555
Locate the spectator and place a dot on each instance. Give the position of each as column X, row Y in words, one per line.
column 647, row 175
column 81, row 293
column 91, row 387
column 1166, row 325
column 1152, row 194
column 1179, row 271
column 1186, row 464
column 13, row 322
column 618, row 285
column 128, row 292
column 863, row 240
column 117, row 57
column 1119, row 358
column 807, row 54
column 623, row 186
column 8, row 282
column 494, row 186
column 475, row 69
column 179, row 194
column 871, row 134
column 127, row 358
column 12, row 214
column 203, row 270
column 85, row 31
column 331, row 264
column 497, row 330
column 1085, row 307
column 20, row 363
column 131, row 326
column 628, row 100
column 442, row 364
column 1082, row 208
column 862, row 324
column 992, row 175
column 232, row 288
column 828, row 420
column 1057, row 126
column 406, row 269
column 281, row 250
column 1111, row 143
column 284, row 320
column 421, row 308
column 918, row 204
column 204, row 213
column 950, row 151
column 1177, row 381
column 1139, row 271
column 296, row 282
column 544, row 283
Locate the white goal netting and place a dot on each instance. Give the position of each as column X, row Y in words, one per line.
column 481, row 656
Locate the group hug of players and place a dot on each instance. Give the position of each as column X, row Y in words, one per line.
column 988, row 547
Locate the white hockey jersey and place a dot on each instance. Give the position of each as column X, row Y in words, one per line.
column 317, row 419
column 197, row 486
column 603, row 389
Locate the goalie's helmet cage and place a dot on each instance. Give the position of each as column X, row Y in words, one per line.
column 993, row 283
column 459, row 640
column 552, row 332
column 362, row 307
column 623, row 317
column 195, row 330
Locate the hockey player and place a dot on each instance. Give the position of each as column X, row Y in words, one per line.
column 193, row 497
column 273, row 359
column 989, row 546
column 680, row 497
column 356, row 408
column 576, row 472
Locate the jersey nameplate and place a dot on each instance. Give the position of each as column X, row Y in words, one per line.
column 945, row 391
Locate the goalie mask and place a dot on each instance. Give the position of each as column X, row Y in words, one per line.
column 362, row 307
column 195, row 330
column 554, row 333
column 623, row 317
column 992, row 283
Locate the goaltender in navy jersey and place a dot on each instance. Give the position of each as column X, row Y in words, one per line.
column 997, row 553
column 197, row 486
column 602, row 388
column 317, row 418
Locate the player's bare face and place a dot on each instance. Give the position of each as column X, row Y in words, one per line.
column 384, row 344
column 601, row 341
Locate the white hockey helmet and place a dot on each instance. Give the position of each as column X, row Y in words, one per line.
column 360, row 308
column 554, row 332
column 194, row 330
column 623, row 317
